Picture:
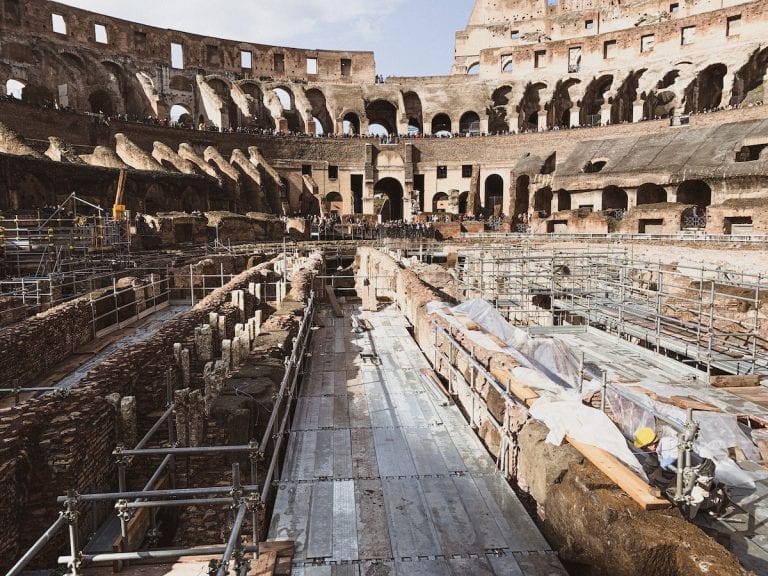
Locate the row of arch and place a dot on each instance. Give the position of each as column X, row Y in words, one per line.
column 390, row 190
column 110, row 88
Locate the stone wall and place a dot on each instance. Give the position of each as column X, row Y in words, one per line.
column 52, row 443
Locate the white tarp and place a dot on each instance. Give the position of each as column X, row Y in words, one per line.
column 548, row 366
column 551, row 368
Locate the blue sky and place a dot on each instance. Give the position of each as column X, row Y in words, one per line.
column 409, row 37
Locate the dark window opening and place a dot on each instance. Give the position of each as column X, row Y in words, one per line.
column 333, row 172
column 279, row 63
column 346, row 67
column 140, row 41
column 750, row 153
column 212, row 54
column 592, row 167
column 356, row 184
column 539, row 57
column 306, row 169
column 442, row 172
column 466, row 171
column 549, row 164
column 12, row 11
column 418, row 184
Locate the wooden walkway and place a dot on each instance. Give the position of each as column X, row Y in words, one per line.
column 382, row 476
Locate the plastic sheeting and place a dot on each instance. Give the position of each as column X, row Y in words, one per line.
column 551, row 368
column 566, row 415
column 717, row 432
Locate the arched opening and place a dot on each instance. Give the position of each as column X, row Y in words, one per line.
column 469, row 123
column 463, row 202
column 542, row 201
column 494, row 195
column 563, row 200
column 154, row 200
column 497, row 113
column 181, row 116
column 224, row 92
column 694, row 192
column 748, row 80
column 441, row 125
column 651, row 194
column 614, row 198
column 388, row 199
column 594, row 99
column 624, row 100
column 473, row 69
column 334, row 202
column 32, row 191
column 257, row 114
column 706, row 91
column 351, row 124
column 530, row 106
column 522, row 202
column 285, row 97
column 384, row 114
column 193, row 200
column 320, row 113
column 318, row 126
column 659, row 104
column 559, row 113
column 378, row 130
column 413, row 110
column 101, row 102
column 440, row 203
column 15, row 88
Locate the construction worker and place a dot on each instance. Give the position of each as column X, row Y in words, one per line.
column 647, row 440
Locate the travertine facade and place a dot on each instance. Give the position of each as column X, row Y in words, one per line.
column 541, row 69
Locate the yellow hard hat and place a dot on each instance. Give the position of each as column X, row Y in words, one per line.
column 645, row 436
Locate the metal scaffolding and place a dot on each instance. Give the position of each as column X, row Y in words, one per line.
column 241, row 499
column 43, row 256
column 704, row 316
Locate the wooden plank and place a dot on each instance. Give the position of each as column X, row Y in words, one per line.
column 265, row 565
column 684, row 402
column 608, row 464
column 633, row 485
column 334, row 303
column 515, row 387
column 729, row 381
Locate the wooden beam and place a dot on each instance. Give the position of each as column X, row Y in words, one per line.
column 607, row 463
column 334, row 303
column 622, row 476
column 745, row 381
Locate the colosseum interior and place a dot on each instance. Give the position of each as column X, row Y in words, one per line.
column 264, row 311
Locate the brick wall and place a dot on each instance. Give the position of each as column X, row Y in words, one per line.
column 53, row 443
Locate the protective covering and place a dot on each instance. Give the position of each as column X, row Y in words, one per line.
column 717, row 431
column 551, row 368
